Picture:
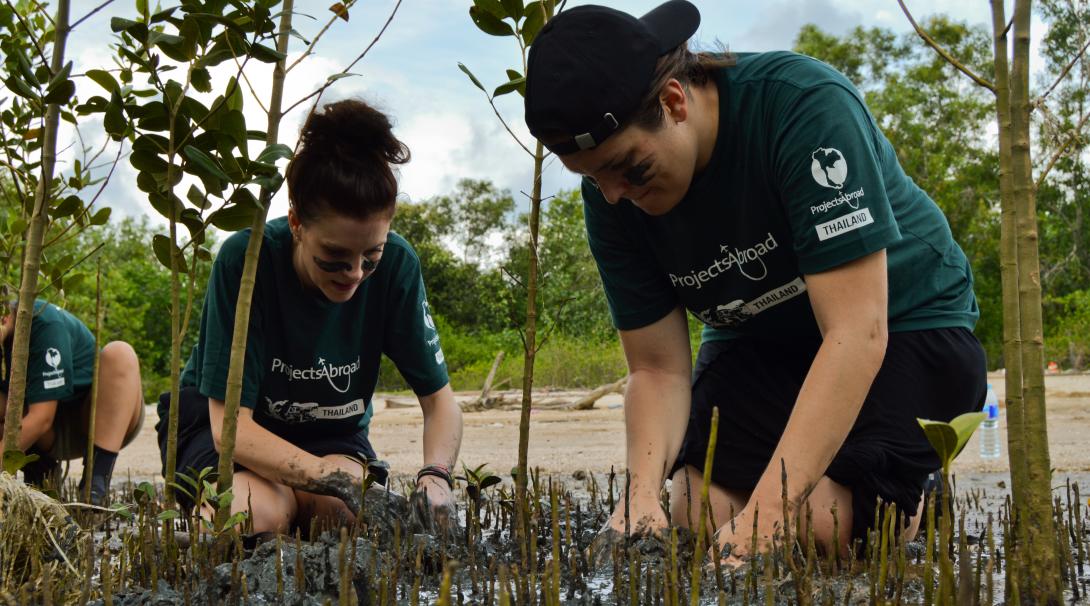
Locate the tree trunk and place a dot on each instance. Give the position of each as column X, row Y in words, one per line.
column 1008, row 253
column 530, row 351
column 246, row 286
column 175, row 346
column 28, row 288
column 1044, row 584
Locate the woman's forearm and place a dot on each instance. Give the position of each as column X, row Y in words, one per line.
column 656, row 415
column 442, row 428
column 266, row 453
column 824, row 413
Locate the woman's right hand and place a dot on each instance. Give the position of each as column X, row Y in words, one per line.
column 645, row 517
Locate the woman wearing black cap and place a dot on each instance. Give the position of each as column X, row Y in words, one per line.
column 335, row 291
column 757, row 192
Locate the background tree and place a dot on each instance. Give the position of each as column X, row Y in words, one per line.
column 1036, row 566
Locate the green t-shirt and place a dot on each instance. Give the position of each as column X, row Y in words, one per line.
column 801, row 180
column 61, row 361
column 311, row 364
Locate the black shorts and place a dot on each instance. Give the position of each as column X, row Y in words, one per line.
column 931, row 374
column 197, row 451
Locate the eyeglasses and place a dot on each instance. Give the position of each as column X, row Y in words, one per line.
column 334, row 267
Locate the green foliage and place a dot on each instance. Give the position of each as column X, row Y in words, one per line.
column 1068, row 329
column 14, row 460
column 948, row 439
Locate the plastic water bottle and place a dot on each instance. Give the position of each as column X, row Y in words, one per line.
column 989, row 429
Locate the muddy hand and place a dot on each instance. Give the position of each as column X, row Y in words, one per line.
column 435, row 518
column 340, row 484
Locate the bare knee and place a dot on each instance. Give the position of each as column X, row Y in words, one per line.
column 685, row 501
column 119, row 357
column 271, row 507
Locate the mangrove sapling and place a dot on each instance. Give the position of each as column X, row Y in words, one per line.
column 59, row 90
column 528, row 19
column 174, row 134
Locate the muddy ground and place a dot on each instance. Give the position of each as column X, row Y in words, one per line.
column 566, row 441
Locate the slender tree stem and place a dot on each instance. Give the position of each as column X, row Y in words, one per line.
column 246, row 285
column 28, row 288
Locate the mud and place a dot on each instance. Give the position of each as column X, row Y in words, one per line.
column 395, row 556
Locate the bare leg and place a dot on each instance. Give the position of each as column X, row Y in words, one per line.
column 271, row 506
column 120, row 395
column 821, row 500
column 685, row 489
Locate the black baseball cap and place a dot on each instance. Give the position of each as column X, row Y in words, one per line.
column 590, row 66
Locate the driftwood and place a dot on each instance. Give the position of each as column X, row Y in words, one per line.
column 485, row 401
column 501, row 401
column 392, row 403
column 587, row 401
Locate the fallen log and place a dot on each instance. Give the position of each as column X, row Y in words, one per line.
column 587, row 401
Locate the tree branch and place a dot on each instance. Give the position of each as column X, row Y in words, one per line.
column 1072, row 136
column 314, row 42
column 1065, row 71
column 329, row 81
column 90, row 14
column 943, row 52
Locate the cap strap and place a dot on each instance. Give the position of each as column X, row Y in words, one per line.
column 587, row 140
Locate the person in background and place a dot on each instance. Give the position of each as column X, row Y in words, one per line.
column 335, row 290
column 59, row 382
column 757, row 192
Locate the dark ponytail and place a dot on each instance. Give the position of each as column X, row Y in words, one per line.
column 343, row 163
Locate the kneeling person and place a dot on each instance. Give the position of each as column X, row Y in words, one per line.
column 60, row 372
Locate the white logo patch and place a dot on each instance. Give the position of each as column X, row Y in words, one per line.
column 843, row 225
column 53, row 357
column 738, row 311
column 53, row 383
column 302, row 412
column 829, row 167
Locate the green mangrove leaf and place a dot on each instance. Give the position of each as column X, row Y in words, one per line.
column 488, row 23
column 492, row 7
column 472, row 78
column 965, row 425
column 14, row 460
column 535, row 20
column 204, row 163
column 943, row 438
column 514, row 85
column 162, row 247
column 103, row 78
column 513, row 8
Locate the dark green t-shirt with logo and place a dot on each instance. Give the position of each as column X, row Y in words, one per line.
column 801, row 180
column 311, row 364
column 61, row 359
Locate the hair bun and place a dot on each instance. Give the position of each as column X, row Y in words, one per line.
column 352, row 129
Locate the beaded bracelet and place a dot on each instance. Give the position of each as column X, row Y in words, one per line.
column 438, row 471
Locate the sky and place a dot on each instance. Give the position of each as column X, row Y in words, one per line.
column 412, row 75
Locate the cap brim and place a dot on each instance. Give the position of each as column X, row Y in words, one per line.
column 672, row 22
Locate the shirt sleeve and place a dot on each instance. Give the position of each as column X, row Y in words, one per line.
column 634, row 281
column 218, row 325
column 412, row 339
column 50, row 373
column 827, row 168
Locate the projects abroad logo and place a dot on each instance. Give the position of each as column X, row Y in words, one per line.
column 829, row 167
column 332, row 374
column 748, row 261
column 850, row 198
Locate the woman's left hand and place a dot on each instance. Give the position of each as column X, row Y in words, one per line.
column 433, row 504
column 734, row 546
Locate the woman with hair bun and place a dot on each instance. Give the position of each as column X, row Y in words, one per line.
column 335, row 290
